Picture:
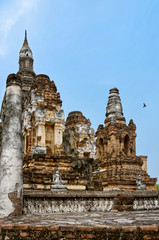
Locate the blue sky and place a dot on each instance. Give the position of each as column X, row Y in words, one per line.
column 88, row 47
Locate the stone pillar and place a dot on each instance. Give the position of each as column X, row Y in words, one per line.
column 41, row 134
column 11, row 156
column 58, row 134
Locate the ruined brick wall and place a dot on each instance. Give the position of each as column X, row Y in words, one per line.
column 43, row 146
column 79, row 232
column 79, row 137
column 38, row 171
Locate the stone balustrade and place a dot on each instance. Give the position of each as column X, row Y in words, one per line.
column 45, row 202
column 150, row 203
column 66, row 205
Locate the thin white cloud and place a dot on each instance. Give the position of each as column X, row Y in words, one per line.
column 10, row 16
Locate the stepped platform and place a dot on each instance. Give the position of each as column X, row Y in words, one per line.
column 132, row 225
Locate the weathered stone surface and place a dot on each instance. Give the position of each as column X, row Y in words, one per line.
column 17, row 203
column 43, row 120
column 79, row 138
column 99, row 226
column 114, row 106
column 11, row 154
column 66, row 205
column 85, row 201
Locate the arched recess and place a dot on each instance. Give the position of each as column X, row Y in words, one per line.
column 126, row 145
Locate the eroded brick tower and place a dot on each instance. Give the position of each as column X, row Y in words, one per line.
column 116, row 147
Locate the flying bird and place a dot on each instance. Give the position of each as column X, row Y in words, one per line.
column 144, row 105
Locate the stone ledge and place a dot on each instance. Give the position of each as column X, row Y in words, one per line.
column 69, row 193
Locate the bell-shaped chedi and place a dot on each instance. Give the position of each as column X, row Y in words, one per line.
column 116, row 149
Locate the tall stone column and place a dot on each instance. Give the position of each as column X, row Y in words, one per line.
column 11, row 156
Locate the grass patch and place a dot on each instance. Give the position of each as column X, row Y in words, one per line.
column 157, row 186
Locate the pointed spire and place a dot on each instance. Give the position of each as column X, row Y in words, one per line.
column 25, row 50
column 25, row 56
column 25, row 39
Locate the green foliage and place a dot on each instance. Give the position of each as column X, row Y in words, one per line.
column 157, row 186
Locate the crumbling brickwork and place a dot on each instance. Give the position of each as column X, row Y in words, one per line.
column 39, row 169
column 79, row 137
column 43, row 119
column 85, row 226
column 116, row 147
column 36, row 142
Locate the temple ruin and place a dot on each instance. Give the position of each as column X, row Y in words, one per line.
column 49, row 164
